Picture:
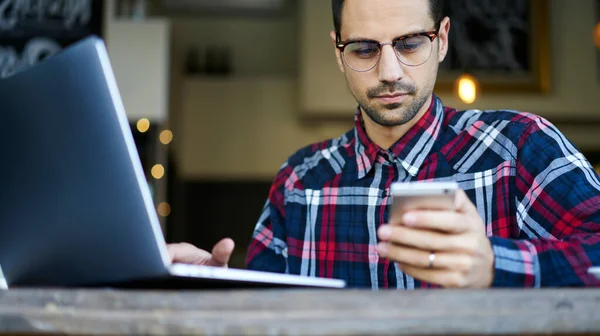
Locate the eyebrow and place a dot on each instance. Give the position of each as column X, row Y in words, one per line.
column 416, row 31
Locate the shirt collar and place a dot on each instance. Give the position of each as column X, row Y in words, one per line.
column 411, row 150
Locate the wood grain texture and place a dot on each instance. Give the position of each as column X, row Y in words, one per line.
column 301, row 312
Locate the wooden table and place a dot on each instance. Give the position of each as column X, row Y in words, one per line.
column 301, row 312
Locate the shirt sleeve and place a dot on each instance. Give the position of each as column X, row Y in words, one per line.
column 268, row 250
column 557, row 211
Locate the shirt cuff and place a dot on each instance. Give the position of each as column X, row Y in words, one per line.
column 516, row 263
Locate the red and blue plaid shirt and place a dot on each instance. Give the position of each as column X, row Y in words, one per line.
column 537, row 195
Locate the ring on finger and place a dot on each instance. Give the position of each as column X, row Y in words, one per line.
column 431, row 259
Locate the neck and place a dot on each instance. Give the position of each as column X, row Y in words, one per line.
column 386, row 136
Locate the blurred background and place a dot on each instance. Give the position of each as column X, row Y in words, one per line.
column 220, row 92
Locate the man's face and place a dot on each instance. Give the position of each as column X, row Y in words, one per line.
column 392, row 93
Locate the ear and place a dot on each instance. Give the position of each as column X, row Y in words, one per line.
column 338, row 54
column 443, row 39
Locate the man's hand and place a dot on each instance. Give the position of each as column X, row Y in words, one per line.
column 189, row 254
column 462, row 253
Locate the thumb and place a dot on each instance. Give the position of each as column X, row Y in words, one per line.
column 221, row 253
column 463, row 203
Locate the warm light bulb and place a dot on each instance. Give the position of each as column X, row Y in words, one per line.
column 143, row 125
column 467, row 88
column 597, row 35
column 158, row 171
column 164, row 209
column 166, row 137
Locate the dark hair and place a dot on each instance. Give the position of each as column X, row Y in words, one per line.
column 436, row 10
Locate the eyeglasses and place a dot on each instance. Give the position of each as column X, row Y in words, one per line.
column 363, row 55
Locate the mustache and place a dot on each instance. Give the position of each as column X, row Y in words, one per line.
column 385, row 88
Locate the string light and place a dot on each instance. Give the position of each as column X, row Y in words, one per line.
column 597, row 35
column 158, row 171
column 467, row 88
column 166, row 137
column 164, row 209
column 143, row 125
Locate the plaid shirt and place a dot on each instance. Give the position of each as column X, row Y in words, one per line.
column 537, row 195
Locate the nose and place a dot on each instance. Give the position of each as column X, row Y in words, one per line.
column 389, row 67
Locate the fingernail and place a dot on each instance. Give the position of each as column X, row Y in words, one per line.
column 385, row 232
column 409, row 219
column 382, row 249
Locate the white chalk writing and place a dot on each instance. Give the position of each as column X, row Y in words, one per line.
column 42, row 21
column 36, row 50
column 69, row 12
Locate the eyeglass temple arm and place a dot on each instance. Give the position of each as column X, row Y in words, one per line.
column 338, row 41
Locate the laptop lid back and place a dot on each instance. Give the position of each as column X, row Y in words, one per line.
column 75, row 208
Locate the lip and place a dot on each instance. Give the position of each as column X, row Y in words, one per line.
column 392, row 98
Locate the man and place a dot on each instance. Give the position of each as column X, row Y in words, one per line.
column 529, row 215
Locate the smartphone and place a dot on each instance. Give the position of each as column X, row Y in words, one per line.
column 422, row 196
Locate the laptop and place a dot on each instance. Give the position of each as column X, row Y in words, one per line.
column 76, row 209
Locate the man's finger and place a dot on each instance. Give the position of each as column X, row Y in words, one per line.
column 419, row 258
column 187, row 254
column 445, row 221
column 426, row 240
column 442, row 277
column 221, row 252
column 463, row 203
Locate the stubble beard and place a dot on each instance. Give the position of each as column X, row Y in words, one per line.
column 397, row 114
column 394, row 114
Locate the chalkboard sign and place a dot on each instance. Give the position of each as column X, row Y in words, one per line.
column 32, row 30
column 504, row 43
